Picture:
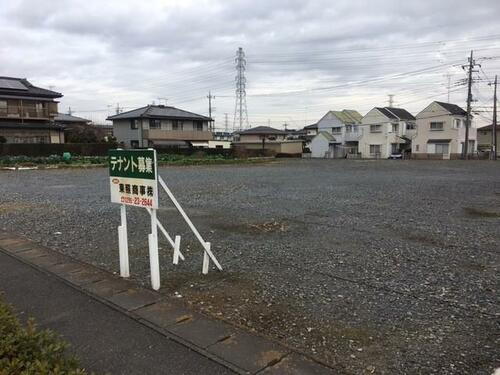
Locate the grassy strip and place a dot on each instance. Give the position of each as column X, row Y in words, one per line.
column 28, row 350
column 101, row 161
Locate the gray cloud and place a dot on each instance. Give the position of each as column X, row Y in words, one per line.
column 100, row 53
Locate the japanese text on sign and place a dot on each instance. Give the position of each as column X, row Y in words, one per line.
column 133, row 179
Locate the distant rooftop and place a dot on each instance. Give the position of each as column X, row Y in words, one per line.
column 453, row 109
column 63, row 117
column 489, row 127
column 159, row 111
column 263, row 130
column 348, row 116
column 396, row 113
column 312, row 126
column 21, row 87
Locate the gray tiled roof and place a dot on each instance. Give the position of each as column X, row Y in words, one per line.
column 262, row 130
column 31, row 90
column 159, row 111
column 312, row 126
column 396, row 113
column 453, row 109
column 489, row 127
column 63, row 117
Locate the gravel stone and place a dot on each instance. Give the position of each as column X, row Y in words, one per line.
column 395, row 261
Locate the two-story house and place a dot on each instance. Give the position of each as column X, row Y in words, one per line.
column 344, row 126
column 160, row 125
column 386, row 131
column 27, row 112
column 441, row 132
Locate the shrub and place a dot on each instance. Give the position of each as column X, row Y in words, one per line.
column 30, row 350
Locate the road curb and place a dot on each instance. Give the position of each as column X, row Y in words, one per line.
column 238, row 350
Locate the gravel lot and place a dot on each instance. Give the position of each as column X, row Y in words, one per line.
column 370, row 266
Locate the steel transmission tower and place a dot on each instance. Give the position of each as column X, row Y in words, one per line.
column 240, row 107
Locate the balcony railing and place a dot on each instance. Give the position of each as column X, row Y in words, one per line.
column 177, row 135
column 16, row 112
column 352, row 136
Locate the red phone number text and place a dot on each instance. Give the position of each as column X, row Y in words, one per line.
column 147, row 202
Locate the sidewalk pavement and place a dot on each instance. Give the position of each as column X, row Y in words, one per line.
column 116, row 327
column 105, row 340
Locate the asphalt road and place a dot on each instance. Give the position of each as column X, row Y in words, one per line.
column 385, row 266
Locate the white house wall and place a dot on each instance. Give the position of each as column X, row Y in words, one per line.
column 319, row 146
column 435, row 113
column 367, row 138
column 123, row 132
column 385, row 138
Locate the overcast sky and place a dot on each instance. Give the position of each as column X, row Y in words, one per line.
column 303, row 57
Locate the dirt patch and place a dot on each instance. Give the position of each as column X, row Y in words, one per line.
column 238, row 299
column 476, row 212
column 7, row 207
column 271, row 226
column 474, row 267
column 425, row 239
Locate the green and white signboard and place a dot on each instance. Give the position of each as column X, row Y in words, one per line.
column 133, row 177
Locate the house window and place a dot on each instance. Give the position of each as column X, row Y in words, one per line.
column 177, row 125
column 374, row 149
column 442, row 148
column 437, row 125
column 134, row 124
column 134, row 144
column 458, row 123
column 416, row 147
column 337, row 130
column 394, row 128
column 154, row 124
column 198, row 126
column 348, row 128
column 410, row 125
column 375, row 128
column 3, row 107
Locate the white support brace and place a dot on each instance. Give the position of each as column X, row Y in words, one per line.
column 177, row 250
column 123, row 243
column 206, row 260
column 154, row 261
column 176, row 245
column 206, row 245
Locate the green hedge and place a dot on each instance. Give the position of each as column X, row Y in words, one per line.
column 29, row 351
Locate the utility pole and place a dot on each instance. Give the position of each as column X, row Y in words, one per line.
column 69, row 111
column 470, row 68
column 494, row 125
column 210, row 97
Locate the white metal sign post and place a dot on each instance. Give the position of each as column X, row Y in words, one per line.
column 134, row 182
